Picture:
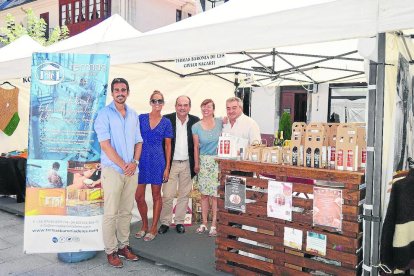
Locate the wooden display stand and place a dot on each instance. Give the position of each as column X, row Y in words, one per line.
column 344, row 248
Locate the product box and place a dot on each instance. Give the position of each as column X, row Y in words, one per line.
column 297, row 143
column 315, row 146
column 331, row 131
column 347, row 150
column 362, row 144
column 231, row 146
column 272, row 155
column 254, row 153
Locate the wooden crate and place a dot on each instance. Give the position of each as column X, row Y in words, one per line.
column 267, row 255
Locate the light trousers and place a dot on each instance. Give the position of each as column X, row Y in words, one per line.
column 179, row 185
column 119, row 196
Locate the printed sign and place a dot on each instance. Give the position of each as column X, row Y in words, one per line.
column 235, row 193
column 279, row 200
column 202, row 61
column 327, row 207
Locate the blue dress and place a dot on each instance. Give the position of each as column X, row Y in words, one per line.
column 152, row 161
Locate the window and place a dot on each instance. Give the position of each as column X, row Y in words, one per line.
column 77, row 11
column 63, row 15
column 178, row 15
column 45, row 17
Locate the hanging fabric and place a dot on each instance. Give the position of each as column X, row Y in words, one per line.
column 397, row 239
column 9, row 116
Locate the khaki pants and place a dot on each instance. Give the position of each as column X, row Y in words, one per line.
column 180, row 185
column 119, row 195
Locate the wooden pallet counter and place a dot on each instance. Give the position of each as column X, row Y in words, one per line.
column 242, row 250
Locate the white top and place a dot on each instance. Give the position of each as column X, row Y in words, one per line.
column 244, row 127
column 181, row 140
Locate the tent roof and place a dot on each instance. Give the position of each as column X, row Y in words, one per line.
column 22, row 47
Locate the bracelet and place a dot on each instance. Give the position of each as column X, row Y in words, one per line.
column 135, row 161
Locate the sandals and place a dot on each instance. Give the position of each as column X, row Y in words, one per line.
column 149, row 237
column 213, row 231
column 201, row 229
column 140, row 234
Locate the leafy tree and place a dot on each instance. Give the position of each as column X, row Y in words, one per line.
column 285, row 125
column 35, row 28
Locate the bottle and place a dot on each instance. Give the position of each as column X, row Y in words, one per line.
column 308, row 157
column 295, row 156
column 281, row 140
column 276, row 139
column 316, row 158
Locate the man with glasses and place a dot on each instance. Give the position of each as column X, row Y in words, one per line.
column 182, row 166
column 117, row 128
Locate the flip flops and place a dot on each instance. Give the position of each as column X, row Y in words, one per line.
column 149, row 237
column 140, row 234
column 213, row 231
column 201, row 229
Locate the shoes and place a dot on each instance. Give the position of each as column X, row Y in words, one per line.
column 201, row 229
column 127, row 253
column 180, row 228
column 114, row 260
column 213, row 231
column 149, row 237
column 163, row 229
column 140, row 234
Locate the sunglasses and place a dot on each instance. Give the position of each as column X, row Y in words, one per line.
column 154, row 101
column 122, row 89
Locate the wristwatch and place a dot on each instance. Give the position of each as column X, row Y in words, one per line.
column 136, row 161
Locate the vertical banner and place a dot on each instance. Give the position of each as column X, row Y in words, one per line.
column 64, row 197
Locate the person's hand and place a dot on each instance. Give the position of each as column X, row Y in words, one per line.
column 196, row 169
column 166, row 175
column 225, row 120
column 129, row 168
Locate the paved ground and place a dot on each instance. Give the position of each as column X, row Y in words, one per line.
column 14, row 262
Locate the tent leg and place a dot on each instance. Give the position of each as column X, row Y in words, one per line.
column 372, row 206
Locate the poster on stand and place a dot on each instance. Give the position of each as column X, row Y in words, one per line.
column 327, row 207
column 235, row 193
column 64, row 196
column 279, row 200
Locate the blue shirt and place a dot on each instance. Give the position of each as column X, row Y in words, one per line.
column 208, row 139
column 123, row 133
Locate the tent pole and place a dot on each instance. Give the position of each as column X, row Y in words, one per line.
column 377, row 183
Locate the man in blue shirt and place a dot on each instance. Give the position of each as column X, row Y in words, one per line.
column 117, row 128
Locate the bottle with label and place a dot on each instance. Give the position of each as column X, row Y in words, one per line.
column 308, row 157
column 316, row 157
column 350, row 161
column 276, row 140
column 295, row 156
column 281, row 140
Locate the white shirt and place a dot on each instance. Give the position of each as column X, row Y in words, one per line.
column 244, row 127
column 181, row 140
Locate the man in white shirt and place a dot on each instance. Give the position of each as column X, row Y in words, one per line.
column 239, row 124
column 182, row 166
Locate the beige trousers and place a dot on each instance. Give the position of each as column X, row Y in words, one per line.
column 179, row 184
column 119, row 195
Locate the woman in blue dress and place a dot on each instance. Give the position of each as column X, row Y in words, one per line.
column 154, row 165
column 206, row 134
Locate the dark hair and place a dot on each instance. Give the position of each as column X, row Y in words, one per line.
column 189, row 100
column 56, row 165
column 119, row 80
column 206, row 102
column 157, row 92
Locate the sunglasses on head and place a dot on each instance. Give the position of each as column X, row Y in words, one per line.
column 154, row 101
column 122, row 89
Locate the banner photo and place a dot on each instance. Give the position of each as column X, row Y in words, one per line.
column 64, row 196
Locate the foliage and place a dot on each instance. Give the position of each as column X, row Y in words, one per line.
column 36, row 28
column 285, row 125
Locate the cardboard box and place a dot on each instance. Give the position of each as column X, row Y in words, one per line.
column 315, row 150
column 347, row 150
column 231, row 146
column 272, row 155
column 297, row 143
column 331, row 131
column 362, row 144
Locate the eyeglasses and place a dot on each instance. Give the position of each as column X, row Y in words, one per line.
column 122, row 89
column 154, row 101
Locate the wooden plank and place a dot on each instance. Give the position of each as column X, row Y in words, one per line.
column 349, row 228
column 250, row 248
column 225, row 218
column 222, row 266
column 286, row 170
column 240, row 259
column 315, row 265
